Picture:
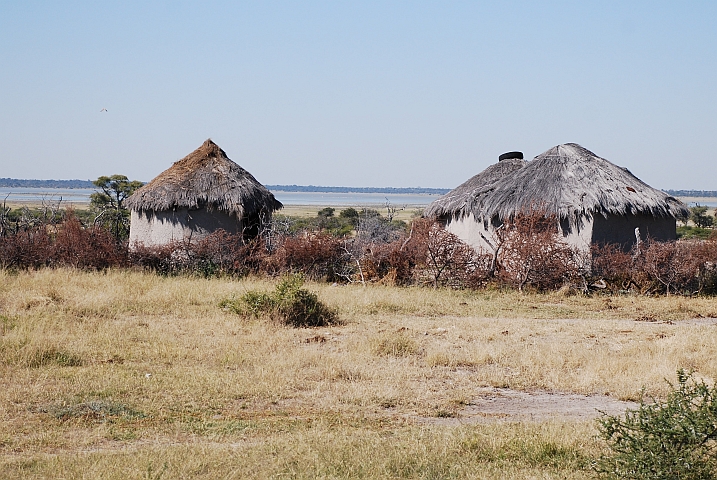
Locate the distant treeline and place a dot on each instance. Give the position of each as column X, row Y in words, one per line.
column 692, row 193
column 14, row 182
column 317, row 189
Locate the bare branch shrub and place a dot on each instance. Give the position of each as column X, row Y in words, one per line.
column 389, row 263
column 317, row 255
column 158, row 259
column 38, row 242
column 443, row 259
column 214, row 254
column 89, row 248
column 531, row 252
column 27, row 248
column 613, row 268
column 372, row 228
column 4, row 217
column 219, row 253
column 680, row 266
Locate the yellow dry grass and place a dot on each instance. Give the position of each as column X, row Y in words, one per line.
column 405, row 214
column 126, row 375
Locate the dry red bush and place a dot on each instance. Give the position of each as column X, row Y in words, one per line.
column 613, row 268
column 531, row 252
column 27, row 248
column 684, row 266
column 317, row 255
column 154, row 258
column 442, row 259
column 88, row 248
column 65, row 244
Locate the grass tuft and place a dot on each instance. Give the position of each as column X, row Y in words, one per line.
column 395, row 345
column 36, row 356
column 94, row 411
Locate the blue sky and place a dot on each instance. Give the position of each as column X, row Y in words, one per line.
column 357, row 93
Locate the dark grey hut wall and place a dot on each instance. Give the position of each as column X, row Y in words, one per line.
column 620, row 229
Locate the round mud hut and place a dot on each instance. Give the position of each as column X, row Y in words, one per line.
column 596, row 202
column 200, row 194
column 458, row 209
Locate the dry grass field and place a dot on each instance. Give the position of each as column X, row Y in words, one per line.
column 131, row 375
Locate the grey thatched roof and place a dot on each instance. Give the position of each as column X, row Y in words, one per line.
column 462, row 200
column 572, row 182
column 205, row 178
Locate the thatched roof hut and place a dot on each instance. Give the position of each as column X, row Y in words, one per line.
column 206, row 178
column 595, row 200
column 463, row 199
column 200, row 193
column 573, row 183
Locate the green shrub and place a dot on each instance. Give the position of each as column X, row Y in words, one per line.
column 671, row 439
column 688, row 231
column 288, row 303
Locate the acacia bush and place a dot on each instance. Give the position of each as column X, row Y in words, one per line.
column 674, row 438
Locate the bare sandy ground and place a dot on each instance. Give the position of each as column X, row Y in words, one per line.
column 505, row 405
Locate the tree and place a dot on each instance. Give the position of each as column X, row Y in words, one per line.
column 699, row 216
column 109, row 203
column 350, row 212
column 115, row 190
column 327, row 212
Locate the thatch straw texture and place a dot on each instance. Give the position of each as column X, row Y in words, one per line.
column 462, row 200
column 573, row 183
column 206, row 178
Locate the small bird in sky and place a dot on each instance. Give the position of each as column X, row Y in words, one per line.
column 103, row 110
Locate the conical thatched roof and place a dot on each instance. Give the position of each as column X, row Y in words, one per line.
column 573, row 183
column 205, row 178
column 461, row 201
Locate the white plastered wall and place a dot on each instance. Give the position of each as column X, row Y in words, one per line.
column 483, row 239
column 473, row 233
column 160, row 228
